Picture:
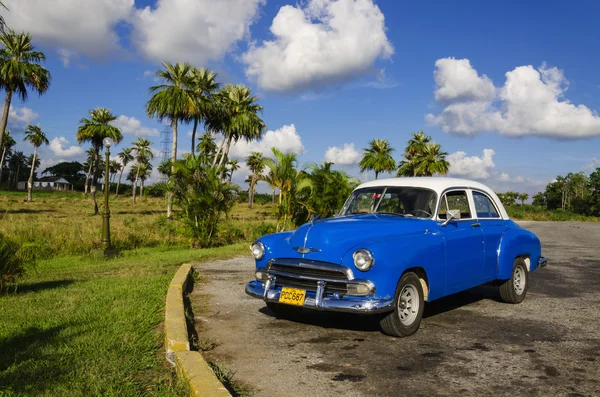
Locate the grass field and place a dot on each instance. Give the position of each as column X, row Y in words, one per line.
column 63, row 223
column 81, row 327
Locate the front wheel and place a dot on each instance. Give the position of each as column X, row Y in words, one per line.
column 514, row 289
column 408, row 308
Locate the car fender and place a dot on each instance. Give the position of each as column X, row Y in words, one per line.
column 275, row 246
column 394, row 256
column 517, row 242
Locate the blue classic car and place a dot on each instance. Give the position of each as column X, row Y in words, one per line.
column 396, row 244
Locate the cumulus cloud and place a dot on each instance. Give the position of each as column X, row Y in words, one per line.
column 132, row 126
column 531, row 102
column 192, row 30
column 471, row 167
column 82, row 26
column 346, row 155
column 323, row 42
column 285, row 139
column 504, row 177
column 60, row 147
column 19, row 118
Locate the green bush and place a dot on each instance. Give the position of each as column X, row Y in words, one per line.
column 15, row 259
column 229, row 234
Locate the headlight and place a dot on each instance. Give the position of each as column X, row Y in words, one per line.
column 363, row 259
column 258, row 250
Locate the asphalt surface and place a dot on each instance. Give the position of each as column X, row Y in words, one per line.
column 469, row 343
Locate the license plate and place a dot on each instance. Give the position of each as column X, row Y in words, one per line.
column 292, row 296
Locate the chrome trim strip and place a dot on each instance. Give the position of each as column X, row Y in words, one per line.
column 305, row 277
column 347, row 304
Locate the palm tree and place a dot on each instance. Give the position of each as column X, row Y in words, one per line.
column 143, row 155
column 377, row 157
column 233, row 167
column 203, row 86
column 114, row 167
column 94, row 130
column 207, row 147
column 431, row 160
column 522, row 198
column 2, row 22
column 236, row 116
column 173, row 100
column 37, row 137
column 256, row 165
column 91, row 158
column 20, row 70
column 16, row 161
column 125, row 157
column 144, row 170
column 7, row 144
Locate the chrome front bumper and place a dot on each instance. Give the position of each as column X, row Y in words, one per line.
column 542, row 262
column 317, row 300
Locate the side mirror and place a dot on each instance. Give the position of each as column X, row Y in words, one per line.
column 451, row 214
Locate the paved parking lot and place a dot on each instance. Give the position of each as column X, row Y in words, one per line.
column 469, row 344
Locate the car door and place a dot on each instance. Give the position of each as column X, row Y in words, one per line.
column 463, row 239
column 492, row 227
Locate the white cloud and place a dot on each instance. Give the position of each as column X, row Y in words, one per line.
column 65, row 56
column 324, row 42
column 472, row 167
column 192, row 30
column 285, row 139
column 592, row 164
column 531, row 102
column 77, row 26
column 132, row 126
column 504, row 177
column 346, row 155
column 60, row 147
column 21, row 115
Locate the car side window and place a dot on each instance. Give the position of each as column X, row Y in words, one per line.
column 455, row 200
column 484, row 206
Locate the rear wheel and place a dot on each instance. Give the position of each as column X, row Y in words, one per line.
column 405, row 320
column 514, row 289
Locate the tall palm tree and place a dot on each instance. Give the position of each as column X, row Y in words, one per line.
column 20, row 70
column 414, row 148
column 431, row 160
column 94, row 130
column 125, row 157
column 143, row 155
column 88, row 165
column 7, row 144
column 172, row 100
column 233, row 167
column 207, row 147
column 203, row 86
column 378, row 157
column 256, row 164
column 283, row 168
column 37, row 137
column 114, row 168
column 145, row 170
column 236, row 115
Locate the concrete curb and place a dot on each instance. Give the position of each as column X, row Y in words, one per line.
column 190, row 364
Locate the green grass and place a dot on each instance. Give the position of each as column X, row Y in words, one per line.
column 81, row 326
column 535, row 213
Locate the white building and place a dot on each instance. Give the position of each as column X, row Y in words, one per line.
column 47, row 183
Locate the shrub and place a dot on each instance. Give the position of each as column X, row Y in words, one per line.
column 230, row 235
column 14, row 260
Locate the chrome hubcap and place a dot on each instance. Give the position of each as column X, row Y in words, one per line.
column 519, row 280
column 408, row 305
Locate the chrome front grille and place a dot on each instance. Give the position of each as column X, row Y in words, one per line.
column 304, row 274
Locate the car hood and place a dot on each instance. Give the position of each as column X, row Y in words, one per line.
column 329, row 239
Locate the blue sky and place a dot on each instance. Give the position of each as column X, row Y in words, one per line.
column 514, row 86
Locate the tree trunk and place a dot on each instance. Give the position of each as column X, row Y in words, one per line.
column 273, row 197
column 2, row 163
column 30, row 181
column 142, row 188
column 16, row 181
column 173, row 159
column 95, row 181
column 194, row 137
column 376, row 174
column 119, row 182
column 226, row 152
column 137, row 175
column 251, row 193
column 219, row 151
column 5, row 115
column 87, row 177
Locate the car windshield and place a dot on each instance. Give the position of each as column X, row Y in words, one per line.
column 403, row 201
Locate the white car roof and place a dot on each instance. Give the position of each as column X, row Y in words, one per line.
column 437, row 184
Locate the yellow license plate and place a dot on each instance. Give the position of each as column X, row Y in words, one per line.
column 292, row 296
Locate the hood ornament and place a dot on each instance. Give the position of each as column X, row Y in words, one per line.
column 306, row 250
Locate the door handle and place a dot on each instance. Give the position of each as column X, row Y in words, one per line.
column 475, row 224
